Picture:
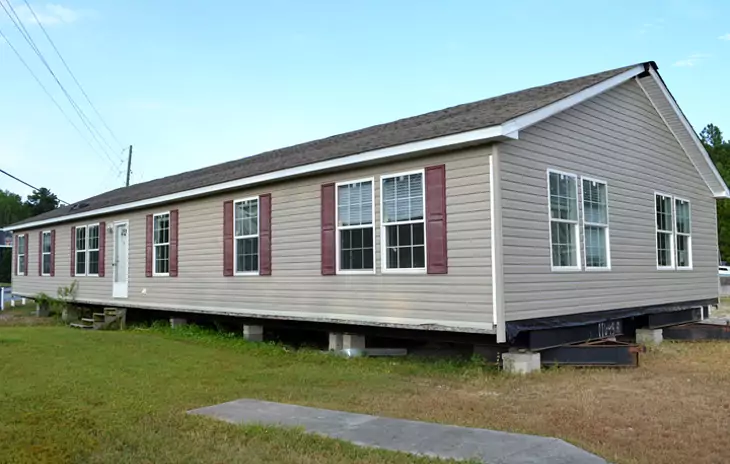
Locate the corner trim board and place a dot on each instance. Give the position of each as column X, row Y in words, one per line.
column 495, row 212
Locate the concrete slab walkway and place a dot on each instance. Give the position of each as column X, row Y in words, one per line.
column 421, row 438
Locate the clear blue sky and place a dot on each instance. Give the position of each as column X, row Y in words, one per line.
column 193, row 83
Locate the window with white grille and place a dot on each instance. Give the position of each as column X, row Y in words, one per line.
column 595, row 224
column 355, row 232
column 564, row 236
column 403, row 225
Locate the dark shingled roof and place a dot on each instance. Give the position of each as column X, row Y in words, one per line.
column 461, row 118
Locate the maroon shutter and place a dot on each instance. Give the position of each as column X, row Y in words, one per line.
column 329, row 230
column 228, row 238
column 73, row 251
column 436, row 248
column 25, row 264
column 265, row 234
column 173, row 242
column 53, row 252
column 148, row 248
column 15, row 253
column 40, row 253
column 102, row 248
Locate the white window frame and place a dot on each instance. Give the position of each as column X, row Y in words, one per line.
column 21, row 252
column 671, row 234
column 677, row 234
column 338, row 244
column 84, row 251
column 44, row 253
column 606, row 226
column 383, row 239
column 155, row 245
column 236, row 272
column 89, row 249
column 576, row 224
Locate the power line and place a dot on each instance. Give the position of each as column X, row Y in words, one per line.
column 30, row 70
column 18, row 23
column 95, row 134
column 71, row 73
column 26, row 183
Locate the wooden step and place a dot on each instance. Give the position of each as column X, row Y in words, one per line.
column 98, row 317
column 76, row 325
column 86, row 319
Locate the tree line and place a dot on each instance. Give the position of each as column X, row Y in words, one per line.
column 719, row 150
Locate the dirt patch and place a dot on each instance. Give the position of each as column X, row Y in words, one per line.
column 24, row 316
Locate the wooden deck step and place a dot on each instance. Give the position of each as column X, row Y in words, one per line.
column 76, row 325
column 86, row 319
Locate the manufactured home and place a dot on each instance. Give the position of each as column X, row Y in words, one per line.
column 554, row 214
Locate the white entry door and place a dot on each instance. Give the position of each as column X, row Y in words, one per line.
column 120, row 264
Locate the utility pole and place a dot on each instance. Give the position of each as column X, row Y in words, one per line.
column 129, row 164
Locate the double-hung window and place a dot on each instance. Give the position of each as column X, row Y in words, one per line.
column 92, row 243
column 564, row 234
column 403, row 225
column 355, row 232
column 87, row 250
column 246, row 236
column 161, row 244
column 664, row 232
column 22, row 258
column 46, row 253
column 595, row 224
column 684, row 234
column 81, row 250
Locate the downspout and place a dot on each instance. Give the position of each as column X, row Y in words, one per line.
column 495, row 211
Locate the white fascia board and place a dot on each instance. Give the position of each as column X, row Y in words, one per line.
column 552, row 109
column 478, row 135
column 725, row 193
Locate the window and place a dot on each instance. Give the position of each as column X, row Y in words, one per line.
column 46, row 253
column 161, row 235
column 81, row 251
column 355, row 219
column 403, row 225
column 87, row 250
column 664, row 232
column 564, row 237
column 684, row 234
column 246, row 236
column 22, row 258
column 595, row 224
column 93, row 249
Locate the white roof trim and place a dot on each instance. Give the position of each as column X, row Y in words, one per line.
column 479, row 135
column 552, row 109
column 725, row 193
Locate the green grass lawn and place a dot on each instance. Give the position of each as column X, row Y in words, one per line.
column 120, row 397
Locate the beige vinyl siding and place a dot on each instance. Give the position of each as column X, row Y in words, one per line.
column 619, row 138
column 296, row 287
